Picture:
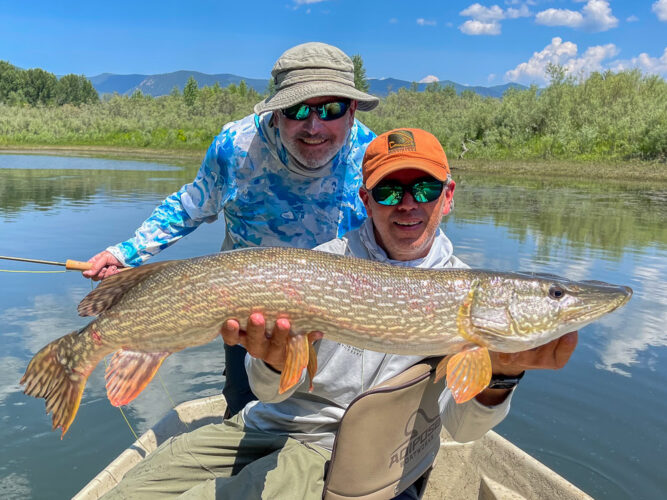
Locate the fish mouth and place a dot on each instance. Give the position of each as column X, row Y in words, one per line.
column 601, row 306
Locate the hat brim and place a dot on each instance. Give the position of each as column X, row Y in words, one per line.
column 294, row 94
column 437, row 171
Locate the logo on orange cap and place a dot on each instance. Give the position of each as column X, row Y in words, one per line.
column 401, row 140
column 403, row 149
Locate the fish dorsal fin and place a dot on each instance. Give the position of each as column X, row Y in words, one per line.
column 129, row 373
column 110, row 291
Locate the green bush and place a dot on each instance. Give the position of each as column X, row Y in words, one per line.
column 607, row 116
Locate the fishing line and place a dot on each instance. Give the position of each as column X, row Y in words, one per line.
column 136, row 438
column 106, row 365
column 32, row 272
column 173, row 405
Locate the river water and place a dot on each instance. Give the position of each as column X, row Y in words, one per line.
column 600, row 421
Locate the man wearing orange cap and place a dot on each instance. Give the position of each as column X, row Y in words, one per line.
column 277, row 447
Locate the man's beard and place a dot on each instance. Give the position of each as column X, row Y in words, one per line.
column 312, row 159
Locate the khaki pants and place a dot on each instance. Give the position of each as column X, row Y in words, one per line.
column 227, row 461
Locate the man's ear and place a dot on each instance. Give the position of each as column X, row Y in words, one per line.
column 353, row 108
column 449, row 196
column 365, row 198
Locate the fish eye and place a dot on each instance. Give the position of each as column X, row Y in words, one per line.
column 556, row 292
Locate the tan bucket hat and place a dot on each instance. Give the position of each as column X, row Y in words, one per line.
column 310, row 70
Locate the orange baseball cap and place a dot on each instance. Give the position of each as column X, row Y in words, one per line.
column 403, row 148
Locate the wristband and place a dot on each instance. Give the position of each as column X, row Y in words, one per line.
column 271, row 368
column 505, row 381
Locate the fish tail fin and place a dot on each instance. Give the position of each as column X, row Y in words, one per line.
column 298, row 355
column 50, row 376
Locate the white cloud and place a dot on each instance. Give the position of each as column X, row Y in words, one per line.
column 596, row 58
column 594, row 16
column 484, row 14
column 660, row 9
column 564, row 54
column 306, row 2
column 472, row 27
column 491, row 77
column 393, row 20
column 426, row 22
column 645, row 63
column 560, row 17
column 632, row 19
column 486, row 20
column 522, row 11
column 592, row 59
column 429, row 79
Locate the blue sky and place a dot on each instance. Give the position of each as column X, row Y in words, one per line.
column 475, row 43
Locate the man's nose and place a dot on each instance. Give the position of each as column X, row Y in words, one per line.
column 408, row 202
column 312, row 124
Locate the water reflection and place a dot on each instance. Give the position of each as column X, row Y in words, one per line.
column 645, row 326
column 43, row 185
column 611, row 217
column 15, row 486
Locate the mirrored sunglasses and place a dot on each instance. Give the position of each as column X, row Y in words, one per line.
column 325, row 112
column 391, row 193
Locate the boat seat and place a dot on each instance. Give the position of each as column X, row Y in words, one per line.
column 388, row 438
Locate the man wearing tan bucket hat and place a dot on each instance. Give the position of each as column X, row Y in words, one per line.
column 278, row 447
column 287, row 175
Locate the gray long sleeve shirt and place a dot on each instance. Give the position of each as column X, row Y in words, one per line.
column 345, row 371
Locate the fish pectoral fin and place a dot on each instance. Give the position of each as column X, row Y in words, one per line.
column 129, row 373
column 468, row 373
column 111, row 289
column 441, row 369
column 297, row 359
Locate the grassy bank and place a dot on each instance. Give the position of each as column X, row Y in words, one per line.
column 610, row 125
column 634, row 171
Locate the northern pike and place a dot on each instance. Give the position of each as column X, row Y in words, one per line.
column 149, row 312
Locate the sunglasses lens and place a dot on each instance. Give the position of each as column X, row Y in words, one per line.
column 423, row 191
column 297, row 112
column 332, row 110
column 387, row 194
column 426, row 191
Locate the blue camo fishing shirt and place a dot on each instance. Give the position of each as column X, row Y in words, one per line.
column 245, row 175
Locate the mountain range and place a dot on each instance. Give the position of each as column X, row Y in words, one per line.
column 162, row 84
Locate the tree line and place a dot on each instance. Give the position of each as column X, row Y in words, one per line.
column 600, row 117
column 38, row 87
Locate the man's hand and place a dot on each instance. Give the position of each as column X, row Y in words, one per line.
column 551, row 356
column 104, row 265
column 269, row 347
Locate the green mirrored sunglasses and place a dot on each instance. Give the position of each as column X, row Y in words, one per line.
column 326, row 112
column 391, row 193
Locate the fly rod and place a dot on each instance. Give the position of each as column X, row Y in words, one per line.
column 72, row 265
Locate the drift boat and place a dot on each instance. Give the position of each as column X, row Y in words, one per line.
column 490, row 468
